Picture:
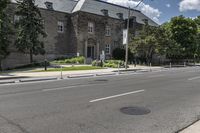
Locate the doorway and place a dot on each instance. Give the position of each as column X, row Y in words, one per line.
column 90, row 52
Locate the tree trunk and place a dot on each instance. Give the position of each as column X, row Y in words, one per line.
column 31, row 56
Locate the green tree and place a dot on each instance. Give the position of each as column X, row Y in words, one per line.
column 173, row 50
column 150, row 41
column 30, row 29
column 197, row 52
column 5, row 31
column 183, row 32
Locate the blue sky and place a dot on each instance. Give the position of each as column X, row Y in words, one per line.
column 170, row 8
column 162, row 10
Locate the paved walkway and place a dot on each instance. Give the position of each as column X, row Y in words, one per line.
column 31, row 74
column 195, row 128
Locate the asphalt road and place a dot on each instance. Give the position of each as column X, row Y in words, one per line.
column 93, row 105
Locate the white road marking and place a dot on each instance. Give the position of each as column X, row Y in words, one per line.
column 68, row 87
column 194, row 78
column 114, row 96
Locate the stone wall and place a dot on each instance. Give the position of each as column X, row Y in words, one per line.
column 56, row 44
column 74, row 38
column 99, row 36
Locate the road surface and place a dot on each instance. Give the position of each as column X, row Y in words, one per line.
column 170, row 99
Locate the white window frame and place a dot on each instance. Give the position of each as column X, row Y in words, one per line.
column 108, row 30
column 107, row 48
column 91, row 27
column 60, row 27
column 16, row 18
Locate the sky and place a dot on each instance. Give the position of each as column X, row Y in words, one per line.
column 163, row 10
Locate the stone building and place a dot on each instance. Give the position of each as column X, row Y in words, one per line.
column 83, row 27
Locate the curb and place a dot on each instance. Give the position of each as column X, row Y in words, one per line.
column 81, row 76
column 183, row 130
column 105, row 74
column 37, row 79
column 7, row 82
column 14, row 77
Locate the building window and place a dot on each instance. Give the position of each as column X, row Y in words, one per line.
column 91, row 27
column 107, row 49
column 115, row 43
column 60, row 27
column 16, row 18
column 108, row 31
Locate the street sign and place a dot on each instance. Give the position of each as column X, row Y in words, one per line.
column 102, row 57
column 125, row 36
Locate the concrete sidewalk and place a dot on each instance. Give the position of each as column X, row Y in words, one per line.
column 31, row 74
column 195, row 128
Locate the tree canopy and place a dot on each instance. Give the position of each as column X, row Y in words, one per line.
column 30, row 29
column 177, row 39
column 5, row 30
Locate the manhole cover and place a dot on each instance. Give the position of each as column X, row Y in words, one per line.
column 135, row 110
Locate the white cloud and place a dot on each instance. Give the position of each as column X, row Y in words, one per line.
column 168, row 5
column 186, row 5
column 146, row 9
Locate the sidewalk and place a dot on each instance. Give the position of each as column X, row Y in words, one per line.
column 195, row 128
column 30, row 74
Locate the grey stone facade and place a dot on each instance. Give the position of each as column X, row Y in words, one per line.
column 75, row 38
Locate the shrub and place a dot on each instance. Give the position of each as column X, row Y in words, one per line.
column 109, row 63
column 79, row 60
column 119, row 54
column 97, row 63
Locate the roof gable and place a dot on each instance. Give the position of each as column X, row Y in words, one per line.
column 96, row 7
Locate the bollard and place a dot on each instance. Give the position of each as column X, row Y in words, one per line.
column 150, row 66
column 118, row 68
column 61, row 73
column 45, row 65
column 170, row 65
column 184, row 64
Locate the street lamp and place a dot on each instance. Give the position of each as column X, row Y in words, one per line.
column 128, row 23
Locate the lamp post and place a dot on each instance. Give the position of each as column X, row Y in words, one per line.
column 128, row 23
column 126, row 56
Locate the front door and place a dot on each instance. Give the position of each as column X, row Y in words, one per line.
column 90, row 52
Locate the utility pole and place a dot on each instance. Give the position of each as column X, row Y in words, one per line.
column 126, row 57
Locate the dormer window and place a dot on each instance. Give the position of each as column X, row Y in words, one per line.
column 49, row 5
column 134, row 19
column 120, row 15
column 105, row 12
column 145, row 21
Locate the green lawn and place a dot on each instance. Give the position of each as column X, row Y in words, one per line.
column 75, row 68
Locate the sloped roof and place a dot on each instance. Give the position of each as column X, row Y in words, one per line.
column 95, row 7
column 58, row 5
